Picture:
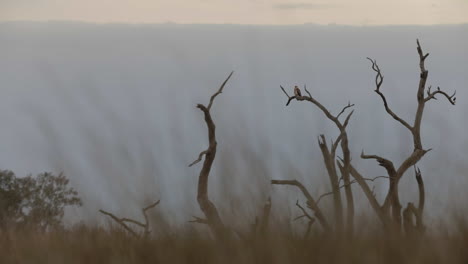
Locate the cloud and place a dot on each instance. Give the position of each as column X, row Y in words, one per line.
column 288, row 6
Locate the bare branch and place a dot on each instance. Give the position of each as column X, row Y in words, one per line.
column 199, row 158
column 307, row 91
column 305, row 214
column 219, row 91
column 378, row 82
column 284, row 91
column 290, row 98
column 422, row 193
column 144, row 210
column 431, row 95
column 329, row 160
column 151, row 206
column 422, row 57
column 138, row 223
column 310, row 201
column 370, row 196
column 120, row 222
column 350, row 183
column 387, row 164
column 344, row 109
column 345, row 124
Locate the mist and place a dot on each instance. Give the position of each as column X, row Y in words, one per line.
column 113, row 107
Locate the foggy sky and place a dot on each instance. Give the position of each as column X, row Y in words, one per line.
column 356, row 12
column 113, row 106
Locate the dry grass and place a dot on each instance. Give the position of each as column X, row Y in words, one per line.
column 84, row 244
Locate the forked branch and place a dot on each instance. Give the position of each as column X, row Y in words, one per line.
column 219, row 91
column 310, row 201
column 311, row 220
column 378, row 83
column 431, row 95
column 123, row 221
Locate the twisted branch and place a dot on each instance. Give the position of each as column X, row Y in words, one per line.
column 378, row 83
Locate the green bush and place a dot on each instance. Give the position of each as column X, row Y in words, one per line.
column 37, row 202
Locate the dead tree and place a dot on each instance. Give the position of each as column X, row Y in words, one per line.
column 395, row 174
column 125, row 221
column 329, row 155
column 390, row 211
column 212, row 218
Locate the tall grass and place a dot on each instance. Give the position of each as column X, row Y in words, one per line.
column 194, row 244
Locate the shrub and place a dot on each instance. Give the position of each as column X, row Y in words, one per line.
column 37, row 202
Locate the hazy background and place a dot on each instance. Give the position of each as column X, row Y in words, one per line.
column 113, row 106
column 356, row 12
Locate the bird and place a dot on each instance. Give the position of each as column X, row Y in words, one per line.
column 297, row 91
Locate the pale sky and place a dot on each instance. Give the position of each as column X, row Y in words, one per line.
column 352, row 12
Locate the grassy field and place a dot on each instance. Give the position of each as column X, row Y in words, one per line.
column 85, row 244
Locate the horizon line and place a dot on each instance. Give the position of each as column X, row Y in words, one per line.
column 58, row 21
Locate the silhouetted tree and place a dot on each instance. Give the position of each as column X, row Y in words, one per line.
column 390, row 210
column 37, row 202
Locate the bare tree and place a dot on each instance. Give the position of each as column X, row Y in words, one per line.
column 390, row 211
column 395, row 174
column 212, row 218
column 329, row 155
column 124, row 221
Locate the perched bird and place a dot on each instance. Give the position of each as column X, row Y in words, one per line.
column 297, row 91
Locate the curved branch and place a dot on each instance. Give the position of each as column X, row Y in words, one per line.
column 219, row 91
column 344, row 109
column 378, row 82
column 200, row 156
column 387, row 164
column 310, row 201
column 207, row 207
column 431, row 95
column 120, row 221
